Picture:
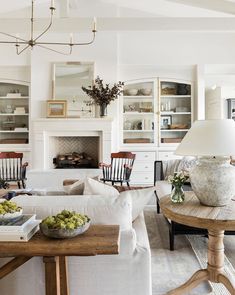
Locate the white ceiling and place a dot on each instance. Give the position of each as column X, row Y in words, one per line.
column 125, row 8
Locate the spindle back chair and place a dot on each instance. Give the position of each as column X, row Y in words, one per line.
column 12, row 169
column 119, row 171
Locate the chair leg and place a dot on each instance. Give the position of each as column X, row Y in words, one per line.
column 157, row 203
column 128, row 184
column 19, row 185
column 121, row 183
column 23, row 184
column 112, row 182
column 172, row 236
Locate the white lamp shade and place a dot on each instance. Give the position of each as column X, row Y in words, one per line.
column 209, row 138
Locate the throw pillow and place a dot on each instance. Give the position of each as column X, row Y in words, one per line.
column 94, row 187
column 101, row 209
column 187, row 163
column 122, row 188
column 76, row 188
column 140, row 199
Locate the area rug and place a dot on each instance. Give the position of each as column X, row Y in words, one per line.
column 170, row 269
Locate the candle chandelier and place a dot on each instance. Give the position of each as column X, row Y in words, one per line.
column 35, row 40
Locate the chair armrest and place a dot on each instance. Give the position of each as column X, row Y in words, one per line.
column 25, row 165
column 127, row 167
column 102, row 165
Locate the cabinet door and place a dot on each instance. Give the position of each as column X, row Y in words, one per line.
column 138, row 113
column 176, row 108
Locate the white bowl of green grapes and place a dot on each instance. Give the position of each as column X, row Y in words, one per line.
column 66, row 224
column 9, row 211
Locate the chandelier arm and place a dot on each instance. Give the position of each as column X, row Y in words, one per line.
column 53, row 50
column 15, row 37
column 48, row 27
column 19, row 52
column 32, row 20
column 71, row 44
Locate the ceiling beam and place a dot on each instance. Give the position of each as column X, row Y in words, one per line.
column 64, row 7
column 215, row 5
column 67, row 25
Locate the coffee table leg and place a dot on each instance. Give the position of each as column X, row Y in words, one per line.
column 215, row 267
column 196, row 279
column 52, row 275
column 64, row 286
column 216, row 261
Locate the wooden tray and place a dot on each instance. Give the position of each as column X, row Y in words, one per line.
column 137, row 140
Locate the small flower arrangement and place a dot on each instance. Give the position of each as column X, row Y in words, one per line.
column 102, row 93
column 178, row 179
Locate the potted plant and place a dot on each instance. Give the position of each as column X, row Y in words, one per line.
column 102, row 94
column 177, row 181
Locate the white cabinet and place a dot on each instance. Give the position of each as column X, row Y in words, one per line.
column 143, row 168
column 138, row 113
column 14, row 113
column 175, row 109
column 156, row 112
column 155, row 116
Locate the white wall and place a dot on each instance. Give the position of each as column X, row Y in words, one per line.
column 126, row 56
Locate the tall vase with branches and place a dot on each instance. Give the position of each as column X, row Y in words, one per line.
column 102, row 94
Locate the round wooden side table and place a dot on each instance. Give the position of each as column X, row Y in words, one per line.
column 216, row 220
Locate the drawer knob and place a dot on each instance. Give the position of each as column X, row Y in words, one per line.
column 146, row 178
column 146, row 167
column 146, row 156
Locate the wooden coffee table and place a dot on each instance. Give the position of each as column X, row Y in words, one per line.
column 98, row 240
column 216, row 220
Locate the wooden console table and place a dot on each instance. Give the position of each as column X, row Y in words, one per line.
column 216, row 220
column 98, row 240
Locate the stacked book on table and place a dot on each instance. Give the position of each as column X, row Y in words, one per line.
column 20, row 230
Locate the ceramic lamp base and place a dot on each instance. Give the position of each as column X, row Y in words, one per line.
column 213, row 181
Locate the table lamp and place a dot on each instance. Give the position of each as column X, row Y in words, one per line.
column 213, row 142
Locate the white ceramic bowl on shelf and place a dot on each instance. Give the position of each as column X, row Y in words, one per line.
column 131, row 92
column 145, row 91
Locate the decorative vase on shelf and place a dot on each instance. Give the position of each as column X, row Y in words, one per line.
column 103, row 110
column 177, row 194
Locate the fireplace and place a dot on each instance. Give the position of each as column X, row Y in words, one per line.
column 53, row 137
column 76, row 152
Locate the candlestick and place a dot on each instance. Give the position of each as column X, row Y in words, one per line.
column 94, row 24
column 71, row 38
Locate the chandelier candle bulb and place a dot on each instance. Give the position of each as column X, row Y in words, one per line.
column 53, row 3
column 94, row 24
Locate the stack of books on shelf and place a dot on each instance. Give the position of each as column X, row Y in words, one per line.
column 20, row 230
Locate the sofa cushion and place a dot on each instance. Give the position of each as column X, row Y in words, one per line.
column 77, row 188
column 94, row 187
column 101, row 209
column 139, row 197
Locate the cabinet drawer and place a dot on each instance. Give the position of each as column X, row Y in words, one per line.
column 142, row 166
column 142, row 178
column 145, row 156
column 164, row 156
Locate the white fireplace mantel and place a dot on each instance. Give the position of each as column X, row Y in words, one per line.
column 44, row 129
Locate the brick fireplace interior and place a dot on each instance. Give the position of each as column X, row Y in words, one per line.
column 74, row 151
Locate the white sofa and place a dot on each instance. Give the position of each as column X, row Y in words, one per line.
column 128, row 273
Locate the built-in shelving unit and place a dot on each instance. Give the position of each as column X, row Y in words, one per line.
column 175, row 108
column 14, row 113
column 138, row 109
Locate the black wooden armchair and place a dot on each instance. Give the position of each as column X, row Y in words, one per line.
column 174, row 227
column 12, row 169
column 119, row 171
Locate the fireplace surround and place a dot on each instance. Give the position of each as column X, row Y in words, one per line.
column 49, row 133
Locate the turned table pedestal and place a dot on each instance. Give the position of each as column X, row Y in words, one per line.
column 216, row 220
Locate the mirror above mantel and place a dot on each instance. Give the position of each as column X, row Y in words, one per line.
column 68, row 78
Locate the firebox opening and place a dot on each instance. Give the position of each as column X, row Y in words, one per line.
column 76, row 152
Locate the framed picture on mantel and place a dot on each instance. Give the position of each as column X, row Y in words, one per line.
column 56, row 108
